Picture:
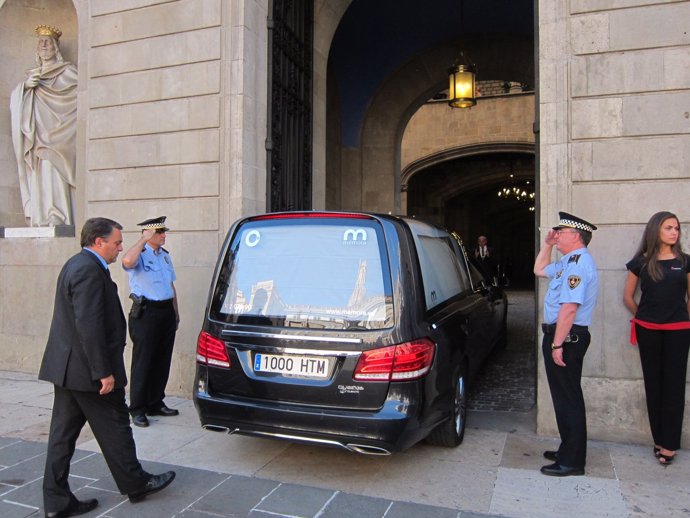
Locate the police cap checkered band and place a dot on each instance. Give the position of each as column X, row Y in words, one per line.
column 570, row 221
column 154, row 223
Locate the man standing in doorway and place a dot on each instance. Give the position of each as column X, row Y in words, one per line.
column 568, row 307
column 153, row 321
column 485, row 255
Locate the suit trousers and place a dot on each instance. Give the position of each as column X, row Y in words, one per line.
column 567, row 397
column 109, row 420
column 153, row 336
column 664, row 359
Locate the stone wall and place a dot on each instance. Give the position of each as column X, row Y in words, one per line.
column 437, row 128
column 615, row 146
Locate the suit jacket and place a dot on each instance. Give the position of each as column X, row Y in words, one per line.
column 88, row 331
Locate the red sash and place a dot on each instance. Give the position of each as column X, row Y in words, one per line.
column 670, row 326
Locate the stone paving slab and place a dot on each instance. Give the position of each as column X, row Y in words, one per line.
column 193, row 494
column 549, row 496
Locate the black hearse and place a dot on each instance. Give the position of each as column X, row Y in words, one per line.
column 346, row 329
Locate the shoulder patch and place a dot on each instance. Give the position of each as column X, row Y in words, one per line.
column 574, row 281
column 574, row 258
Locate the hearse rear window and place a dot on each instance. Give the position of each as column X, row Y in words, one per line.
column 327, row 274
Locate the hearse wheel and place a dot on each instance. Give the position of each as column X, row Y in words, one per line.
column 451, row 432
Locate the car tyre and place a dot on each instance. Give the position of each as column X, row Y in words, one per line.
column 450, row 433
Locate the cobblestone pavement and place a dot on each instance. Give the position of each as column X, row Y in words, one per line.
column 507, row 382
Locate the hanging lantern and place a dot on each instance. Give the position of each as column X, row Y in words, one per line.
column 462, row 91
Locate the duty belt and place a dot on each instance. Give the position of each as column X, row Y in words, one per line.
column 550, row 329
column 158, row 303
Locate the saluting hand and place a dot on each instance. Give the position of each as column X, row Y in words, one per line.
column 551, row 237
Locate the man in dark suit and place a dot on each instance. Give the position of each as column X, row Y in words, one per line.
column 84, row 360
column 485, row 257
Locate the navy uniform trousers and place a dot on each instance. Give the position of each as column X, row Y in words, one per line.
column 153, row 336
column 568, row 400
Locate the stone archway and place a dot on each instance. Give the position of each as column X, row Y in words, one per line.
column 327, row 16
column 367, row 177
column 459, row 191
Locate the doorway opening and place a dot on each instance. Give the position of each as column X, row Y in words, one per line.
column 492, row 194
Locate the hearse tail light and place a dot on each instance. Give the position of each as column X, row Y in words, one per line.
column 413, row 359
column 375, row 365
column 402, row 362
column 211, row 351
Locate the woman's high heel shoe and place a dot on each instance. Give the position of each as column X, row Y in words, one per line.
column 665, row 460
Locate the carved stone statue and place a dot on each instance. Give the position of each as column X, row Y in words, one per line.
column 44, row 125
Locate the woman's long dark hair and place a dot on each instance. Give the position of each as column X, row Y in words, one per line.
column 649, row 247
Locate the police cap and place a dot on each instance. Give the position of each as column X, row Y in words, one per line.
column 569, row 221
column 157, row 224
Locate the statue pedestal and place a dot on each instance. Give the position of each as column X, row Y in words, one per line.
column 29, row 232
column 30, row 262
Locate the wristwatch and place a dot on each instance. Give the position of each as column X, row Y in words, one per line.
column 554, row 346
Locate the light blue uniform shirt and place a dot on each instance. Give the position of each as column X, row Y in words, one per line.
column 572, row 279
column 153, row 275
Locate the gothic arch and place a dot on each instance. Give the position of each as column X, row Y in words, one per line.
column 489, row 148
column 405, row 91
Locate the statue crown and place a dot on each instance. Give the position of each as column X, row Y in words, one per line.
column 48, row 30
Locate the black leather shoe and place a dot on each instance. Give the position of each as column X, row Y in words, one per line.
column 164, row 411
column 556, row 470
column 75, row 508
column 551, row 455
column 155, row 484
column 140, row 420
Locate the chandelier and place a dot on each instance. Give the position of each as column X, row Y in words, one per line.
column 517, row 191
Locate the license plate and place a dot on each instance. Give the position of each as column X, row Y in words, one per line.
column 289, row 365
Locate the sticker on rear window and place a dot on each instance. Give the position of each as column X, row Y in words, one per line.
column 355, row 236
column 252, row 238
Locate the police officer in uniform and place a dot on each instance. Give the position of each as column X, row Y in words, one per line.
column 153, row 321
column 568, row 307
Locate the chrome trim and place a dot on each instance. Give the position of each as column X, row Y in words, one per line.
column 290, row 437
column 306, row 338
column 355, row 448
column 271, row 349
column 216, row 428
column 365, row 449
column 319, row 352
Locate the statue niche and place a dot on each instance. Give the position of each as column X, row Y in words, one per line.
column 44, row 125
